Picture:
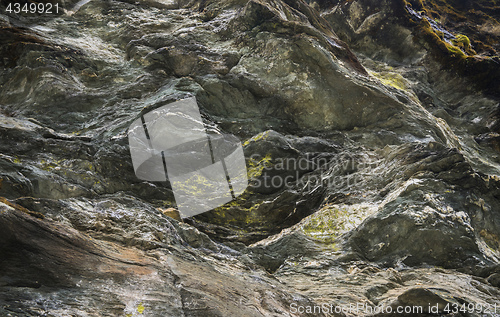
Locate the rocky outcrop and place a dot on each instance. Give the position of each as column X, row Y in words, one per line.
column 370, row 136
column 44, row 262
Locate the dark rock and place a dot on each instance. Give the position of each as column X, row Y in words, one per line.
column 427, row 299
column 494, row 279
column 40, row 257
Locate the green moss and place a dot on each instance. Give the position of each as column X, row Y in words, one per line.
column 329, row 223
column 464, row 43
column 326, row 224
column 238, row 212
column 391, row 79
column 446, row 52
column 458, row 55
column 455, row 51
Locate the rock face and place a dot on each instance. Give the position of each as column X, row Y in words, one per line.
column 45, row 263
column 370, row 131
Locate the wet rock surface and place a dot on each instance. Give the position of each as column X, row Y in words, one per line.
column 370, row 131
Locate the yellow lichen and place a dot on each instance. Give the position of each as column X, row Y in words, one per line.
column 463, row 42
column 255, row 168
column 331, row 221
column 391, row 79
column 140, row 308
column 260, row 136
column 456, row 51
column 325, row 225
